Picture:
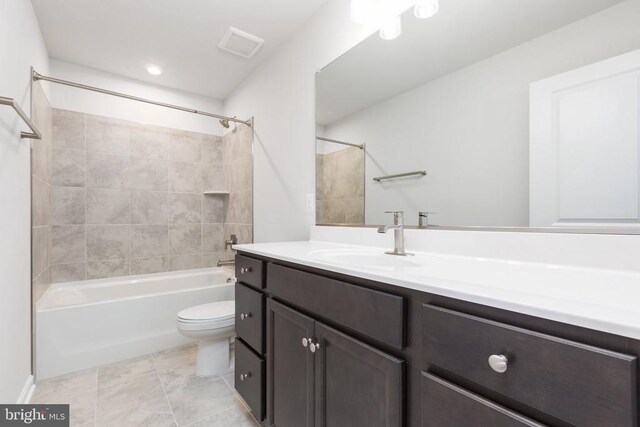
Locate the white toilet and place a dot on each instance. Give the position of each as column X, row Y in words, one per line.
column 213, row 326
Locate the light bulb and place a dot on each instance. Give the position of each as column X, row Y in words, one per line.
column 154, row 70
column 426, row 8
column 391, row 29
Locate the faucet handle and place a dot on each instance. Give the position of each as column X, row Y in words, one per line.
column 423, row 218
column 398, row 217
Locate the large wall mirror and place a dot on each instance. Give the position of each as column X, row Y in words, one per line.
column 491, row 113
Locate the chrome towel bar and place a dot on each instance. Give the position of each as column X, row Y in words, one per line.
column 35, row 133
column 400, row 175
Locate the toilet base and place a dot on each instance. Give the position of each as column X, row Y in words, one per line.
column 214, row 357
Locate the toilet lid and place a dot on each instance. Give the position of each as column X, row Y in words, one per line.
column 220, row 310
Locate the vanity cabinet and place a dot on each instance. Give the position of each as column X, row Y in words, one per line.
column 345, row 351
column 323, row 377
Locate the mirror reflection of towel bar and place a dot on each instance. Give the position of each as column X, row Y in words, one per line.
column 400, row 175
column 35, row 133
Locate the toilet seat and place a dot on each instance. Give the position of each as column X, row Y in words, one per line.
column 213, row 315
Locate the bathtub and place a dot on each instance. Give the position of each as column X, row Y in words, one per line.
column 84, row 324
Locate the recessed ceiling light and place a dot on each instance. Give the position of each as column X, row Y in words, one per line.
column 154, row 70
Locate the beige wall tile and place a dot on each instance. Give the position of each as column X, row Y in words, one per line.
column 40, row 249
column 106, row 170
column 149, row 265
column 107, row 242
column 185, row 262
column 68, row 205
column 184, row 178
column 68, row 129
column 68, row 244
column 68, row 272
column 186, row 147
column 107, row 134
column 111, row 268
column 68, row 168
column 185, row 239
column 213, row 237
column 149, row 175
column 149, row 207
column 40, row 202
column 184, row 208
column 149, row 241
column 151, row 142
column 106, row 206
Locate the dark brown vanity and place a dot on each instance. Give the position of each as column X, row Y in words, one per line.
column 316, row 348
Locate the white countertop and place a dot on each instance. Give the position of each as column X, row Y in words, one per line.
column 602, row 299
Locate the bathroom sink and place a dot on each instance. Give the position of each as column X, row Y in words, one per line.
column 364, row 258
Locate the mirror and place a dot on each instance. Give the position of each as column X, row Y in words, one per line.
column 494, row 114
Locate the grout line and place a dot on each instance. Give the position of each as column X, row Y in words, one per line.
column 164, row 390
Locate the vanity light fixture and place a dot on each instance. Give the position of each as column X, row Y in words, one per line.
column 426, row 8
column 386, row 14
column 154, row 70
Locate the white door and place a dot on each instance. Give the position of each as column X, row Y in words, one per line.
column 584, row 146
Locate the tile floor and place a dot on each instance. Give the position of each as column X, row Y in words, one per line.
column 160, row 389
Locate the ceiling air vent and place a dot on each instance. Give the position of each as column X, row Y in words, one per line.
column 240, row 43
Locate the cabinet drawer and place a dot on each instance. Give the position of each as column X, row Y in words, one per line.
column 376, row 314
column 446, row 404
column 250, row 317
column 250, row 271
column 249, row 379
column 573, row 382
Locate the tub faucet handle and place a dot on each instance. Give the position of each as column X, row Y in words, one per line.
column 233, row 240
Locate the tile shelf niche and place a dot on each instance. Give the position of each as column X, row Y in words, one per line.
column 216, row 193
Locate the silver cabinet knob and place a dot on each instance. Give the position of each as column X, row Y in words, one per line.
column 306, row 342
column 244, row 316
column 498, row 363
column 314, row 346
column 245, row 376
column 244, row 270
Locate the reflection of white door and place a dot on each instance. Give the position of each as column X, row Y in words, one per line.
column 584, row 148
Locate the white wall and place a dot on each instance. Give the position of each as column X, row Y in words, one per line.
column 21, row 46
column 70, row 98
column 470, row 129
column 281, row 96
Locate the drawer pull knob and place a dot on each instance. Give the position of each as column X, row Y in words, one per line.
column 244, row 270
column 498, row 363
column 245, row 376
column 314, row 346
column 306, row 342
column 244, row 316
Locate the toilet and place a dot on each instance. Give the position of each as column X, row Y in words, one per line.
column 212, row 325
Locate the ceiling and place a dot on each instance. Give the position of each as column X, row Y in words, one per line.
column 462, row 33
column 181, row 36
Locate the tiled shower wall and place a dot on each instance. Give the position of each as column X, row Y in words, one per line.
column 127, row 198
column 340, row 187
column 40, row 194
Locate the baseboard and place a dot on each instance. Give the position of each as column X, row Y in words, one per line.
column 27, row 391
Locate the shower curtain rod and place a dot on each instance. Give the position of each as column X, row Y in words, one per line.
column 37, row 76
column 321, row 138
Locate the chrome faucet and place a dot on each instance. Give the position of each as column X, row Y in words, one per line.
column 398, row 233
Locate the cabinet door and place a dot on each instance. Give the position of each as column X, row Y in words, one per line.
column 290, row 367
column 356, row 384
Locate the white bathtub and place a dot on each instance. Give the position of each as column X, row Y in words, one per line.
column 84, row 324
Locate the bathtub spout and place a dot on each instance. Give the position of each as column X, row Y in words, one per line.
column 222, row 263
